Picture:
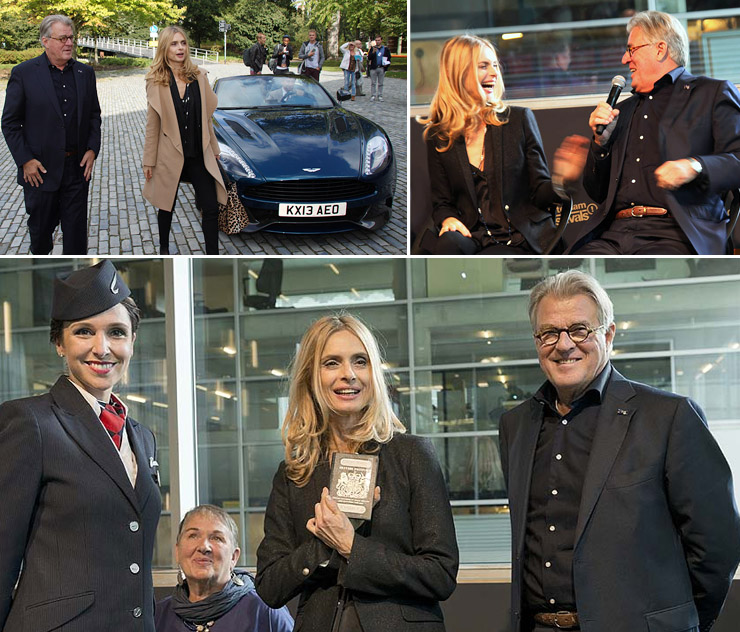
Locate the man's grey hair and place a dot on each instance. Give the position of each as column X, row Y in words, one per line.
column 567, row 285
column 215, row 512
column 662, row 27
column 51, row 20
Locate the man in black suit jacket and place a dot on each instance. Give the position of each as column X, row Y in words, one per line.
column 668, row 154
column 51, row 123
column 622, row 508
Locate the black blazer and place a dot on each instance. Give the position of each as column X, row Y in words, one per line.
column 32, row 119
column 702, row 120
column 74, row 520
column 658, row 533
column 403, row 562
column 517, row 173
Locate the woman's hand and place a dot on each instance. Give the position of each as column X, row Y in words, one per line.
column 148, row 173
column 452, row 223
column 331, row 525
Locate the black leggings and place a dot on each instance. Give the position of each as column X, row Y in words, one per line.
column 194, row 170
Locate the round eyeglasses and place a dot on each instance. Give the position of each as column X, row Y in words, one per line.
column 577, row 333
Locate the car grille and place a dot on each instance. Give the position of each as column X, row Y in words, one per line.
column 311, row 190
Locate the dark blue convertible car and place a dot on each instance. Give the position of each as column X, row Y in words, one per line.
column 301, row 162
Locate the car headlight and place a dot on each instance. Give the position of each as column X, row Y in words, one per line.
column 377, row 154
column 233, row 163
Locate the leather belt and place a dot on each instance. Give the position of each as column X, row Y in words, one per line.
column 67, row 154
column 562, row 620
column 640, row 211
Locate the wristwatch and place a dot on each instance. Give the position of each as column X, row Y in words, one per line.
column 695, row 164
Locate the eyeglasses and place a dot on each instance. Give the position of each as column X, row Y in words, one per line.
column 63, row 39
column 630, row 50
column 577, row 333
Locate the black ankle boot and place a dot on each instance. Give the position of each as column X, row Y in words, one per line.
column 210, row 234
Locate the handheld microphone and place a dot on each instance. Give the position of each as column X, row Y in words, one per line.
column 618, row 84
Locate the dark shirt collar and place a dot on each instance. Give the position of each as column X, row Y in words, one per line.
column 667, row 79
column 69, row 64
column 593, row 394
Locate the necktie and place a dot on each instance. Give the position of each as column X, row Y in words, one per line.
column 113, row 421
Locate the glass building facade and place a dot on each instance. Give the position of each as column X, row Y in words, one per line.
column 458, row 346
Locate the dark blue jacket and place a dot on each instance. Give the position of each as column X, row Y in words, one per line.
column 32, row 119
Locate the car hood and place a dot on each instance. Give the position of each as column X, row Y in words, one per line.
column 290, row 143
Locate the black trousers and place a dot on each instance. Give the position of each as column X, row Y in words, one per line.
column 659, row 235
column 194, row 171
column 453, row 243
column 68, row 206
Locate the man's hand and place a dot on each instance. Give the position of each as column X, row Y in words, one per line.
column 452, row 223
column 605, row 115
column 87, row 161
column 148, row 173
column 570, row 159
column 32, row 171
column 331, row 525
column 675, row 173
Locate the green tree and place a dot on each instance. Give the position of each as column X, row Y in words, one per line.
column 247, row 18
column 359, row 18
column 95, row 16
column 18, row 33
column 201, row 19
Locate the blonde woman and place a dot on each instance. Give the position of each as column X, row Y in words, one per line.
column 388, row 573
column 491, row 188
column 180, row 144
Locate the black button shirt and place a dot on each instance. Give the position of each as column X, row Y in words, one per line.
column 66, row 91
column 491, row 218
column 637, row 186
column 558, row 473
column 188, row 110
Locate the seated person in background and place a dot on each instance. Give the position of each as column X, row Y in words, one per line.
column 209, row 592
column 287, row 91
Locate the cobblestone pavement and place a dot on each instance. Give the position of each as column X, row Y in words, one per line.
column 122, row 222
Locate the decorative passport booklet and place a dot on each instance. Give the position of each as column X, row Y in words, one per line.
column 352, row 483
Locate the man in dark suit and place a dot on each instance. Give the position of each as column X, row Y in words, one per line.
column 51, row 123
column 667, row 155
column 622, row 509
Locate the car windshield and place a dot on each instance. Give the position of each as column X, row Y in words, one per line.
column 269, row 91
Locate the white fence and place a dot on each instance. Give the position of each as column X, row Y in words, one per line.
column 141, row 48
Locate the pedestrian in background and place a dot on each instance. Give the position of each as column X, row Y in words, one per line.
column 312, row 56
column 254, row 57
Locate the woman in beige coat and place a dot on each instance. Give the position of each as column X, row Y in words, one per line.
column 180, row 144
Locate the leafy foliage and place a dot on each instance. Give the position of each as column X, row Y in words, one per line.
column 247, row 18
column 96, row 16
column 360, row 18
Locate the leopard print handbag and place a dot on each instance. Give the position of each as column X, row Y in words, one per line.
column 232, row 217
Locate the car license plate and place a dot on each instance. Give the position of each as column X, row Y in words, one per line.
column 315, row 209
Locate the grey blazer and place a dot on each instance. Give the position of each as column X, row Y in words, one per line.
column 83, row 534
column 403, row 562
column 658, row 532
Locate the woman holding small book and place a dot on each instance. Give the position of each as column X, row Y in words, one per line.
column 385, row 573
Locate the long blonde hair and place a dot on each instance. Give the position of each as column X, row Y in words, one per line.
column 460, row 105
column 159, row 71
column 306, row 431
